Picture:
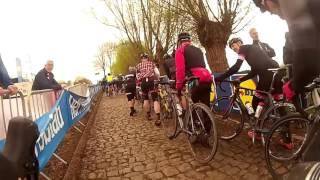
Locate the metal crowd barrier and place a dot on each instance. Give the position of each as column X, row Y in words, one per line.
column 35, row 104
column 10, row 106
column 93, row 90
column 79, row 89
column 41, row 102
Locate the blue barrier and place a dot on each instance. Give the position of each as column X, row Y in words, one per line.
column 53, row 126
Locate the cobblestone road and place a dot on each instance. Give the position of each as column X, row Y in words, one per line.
column 121, row 147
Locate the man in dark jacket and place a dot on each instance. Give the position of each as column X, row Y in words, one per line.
column 263, row 46
column 45, row 78
column 5, row 81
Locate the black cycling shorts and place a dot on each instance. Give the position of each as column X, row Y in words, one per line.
column 201, row 93
column 130, row 90
column 148, row 87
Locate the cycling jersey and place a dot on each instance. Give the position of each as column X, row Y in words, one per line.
column 259, row 62
column 190, row 62
column 145, row 69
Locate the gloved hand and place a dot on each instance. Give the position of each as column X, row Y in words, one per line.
column 236, row 81
column 288, row 91
column 218, row 79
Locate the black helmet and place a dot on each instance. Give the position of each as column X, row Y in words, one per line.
column 144, row 55
column 184, row 37
column 166, row 56
column 234, row 40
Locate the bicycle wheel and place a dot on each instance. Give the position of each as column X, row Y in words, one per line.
column 284, row 144
column 168, row 116
column 229, row 117
column 272, row 115
column 204, row 138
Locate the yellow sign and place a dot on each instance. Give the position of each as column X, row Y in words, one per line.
column 213, row 92
column 247, row 95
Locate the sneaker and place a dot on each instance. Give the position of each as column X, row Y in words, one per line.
column 256, row 135
column 157, row 122
column 148, row 116
column 288, row 146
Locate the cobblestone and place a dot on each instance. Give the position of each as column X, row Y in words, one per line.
column 123, row 147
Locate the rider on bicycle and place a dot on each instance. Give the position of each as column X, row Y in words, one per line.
column 146, row 75
column 259, row 62
column 190, row 62
column 303, row 21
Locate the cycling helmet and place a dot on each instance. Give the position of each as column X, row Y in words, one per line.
column 261, row 4
column 234, row 40
column 166, row 56
column 184, row 37
column 144, row 55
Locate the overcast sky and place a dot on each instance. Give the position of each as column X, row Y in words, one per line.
column 67, row 32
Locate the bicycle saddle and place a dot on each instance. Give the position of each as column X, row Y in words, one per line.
column 19, row 147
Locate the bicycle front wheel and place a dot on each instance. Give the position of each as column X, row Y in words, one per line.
column 204, row 138
column 229, row 117
column 168, row 116
column 284, row 143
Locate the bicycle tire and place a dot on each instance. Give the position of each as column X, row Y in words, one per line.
column 170, row 133
column 212, row 140
column 269, row 156
column 267, row 120
column 222, row 116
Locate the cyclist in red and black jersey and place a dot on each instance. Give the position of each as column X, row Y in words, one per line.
column 259, row 62
column 190, row 62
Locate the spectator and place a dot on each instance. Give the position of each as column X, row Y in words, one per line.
column 5, row 81
column 45, row 78
column 263, row 46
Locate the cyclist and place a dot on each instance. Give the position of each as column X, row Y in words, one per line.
column 130, row 89
column 146, row 75
column 259, row 62
column 303, row 21
column 170, row 65
column 190, row 62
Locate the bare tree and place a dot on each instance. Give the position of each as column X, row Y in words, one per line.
column 213, row 21
column 104, row 57
column 147, row 23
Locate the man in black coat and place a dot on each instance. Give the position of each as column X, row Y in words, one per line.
column 263, row 46
column 45, row 78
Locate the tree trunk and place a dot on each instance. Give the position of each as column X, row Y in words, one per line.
column 216, row 57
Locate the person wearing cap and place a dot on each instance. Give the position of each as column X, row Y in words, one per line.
column 146, row 74
column 190, row 62
column 5, row 81
column 45, row 78
column 263, row 46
